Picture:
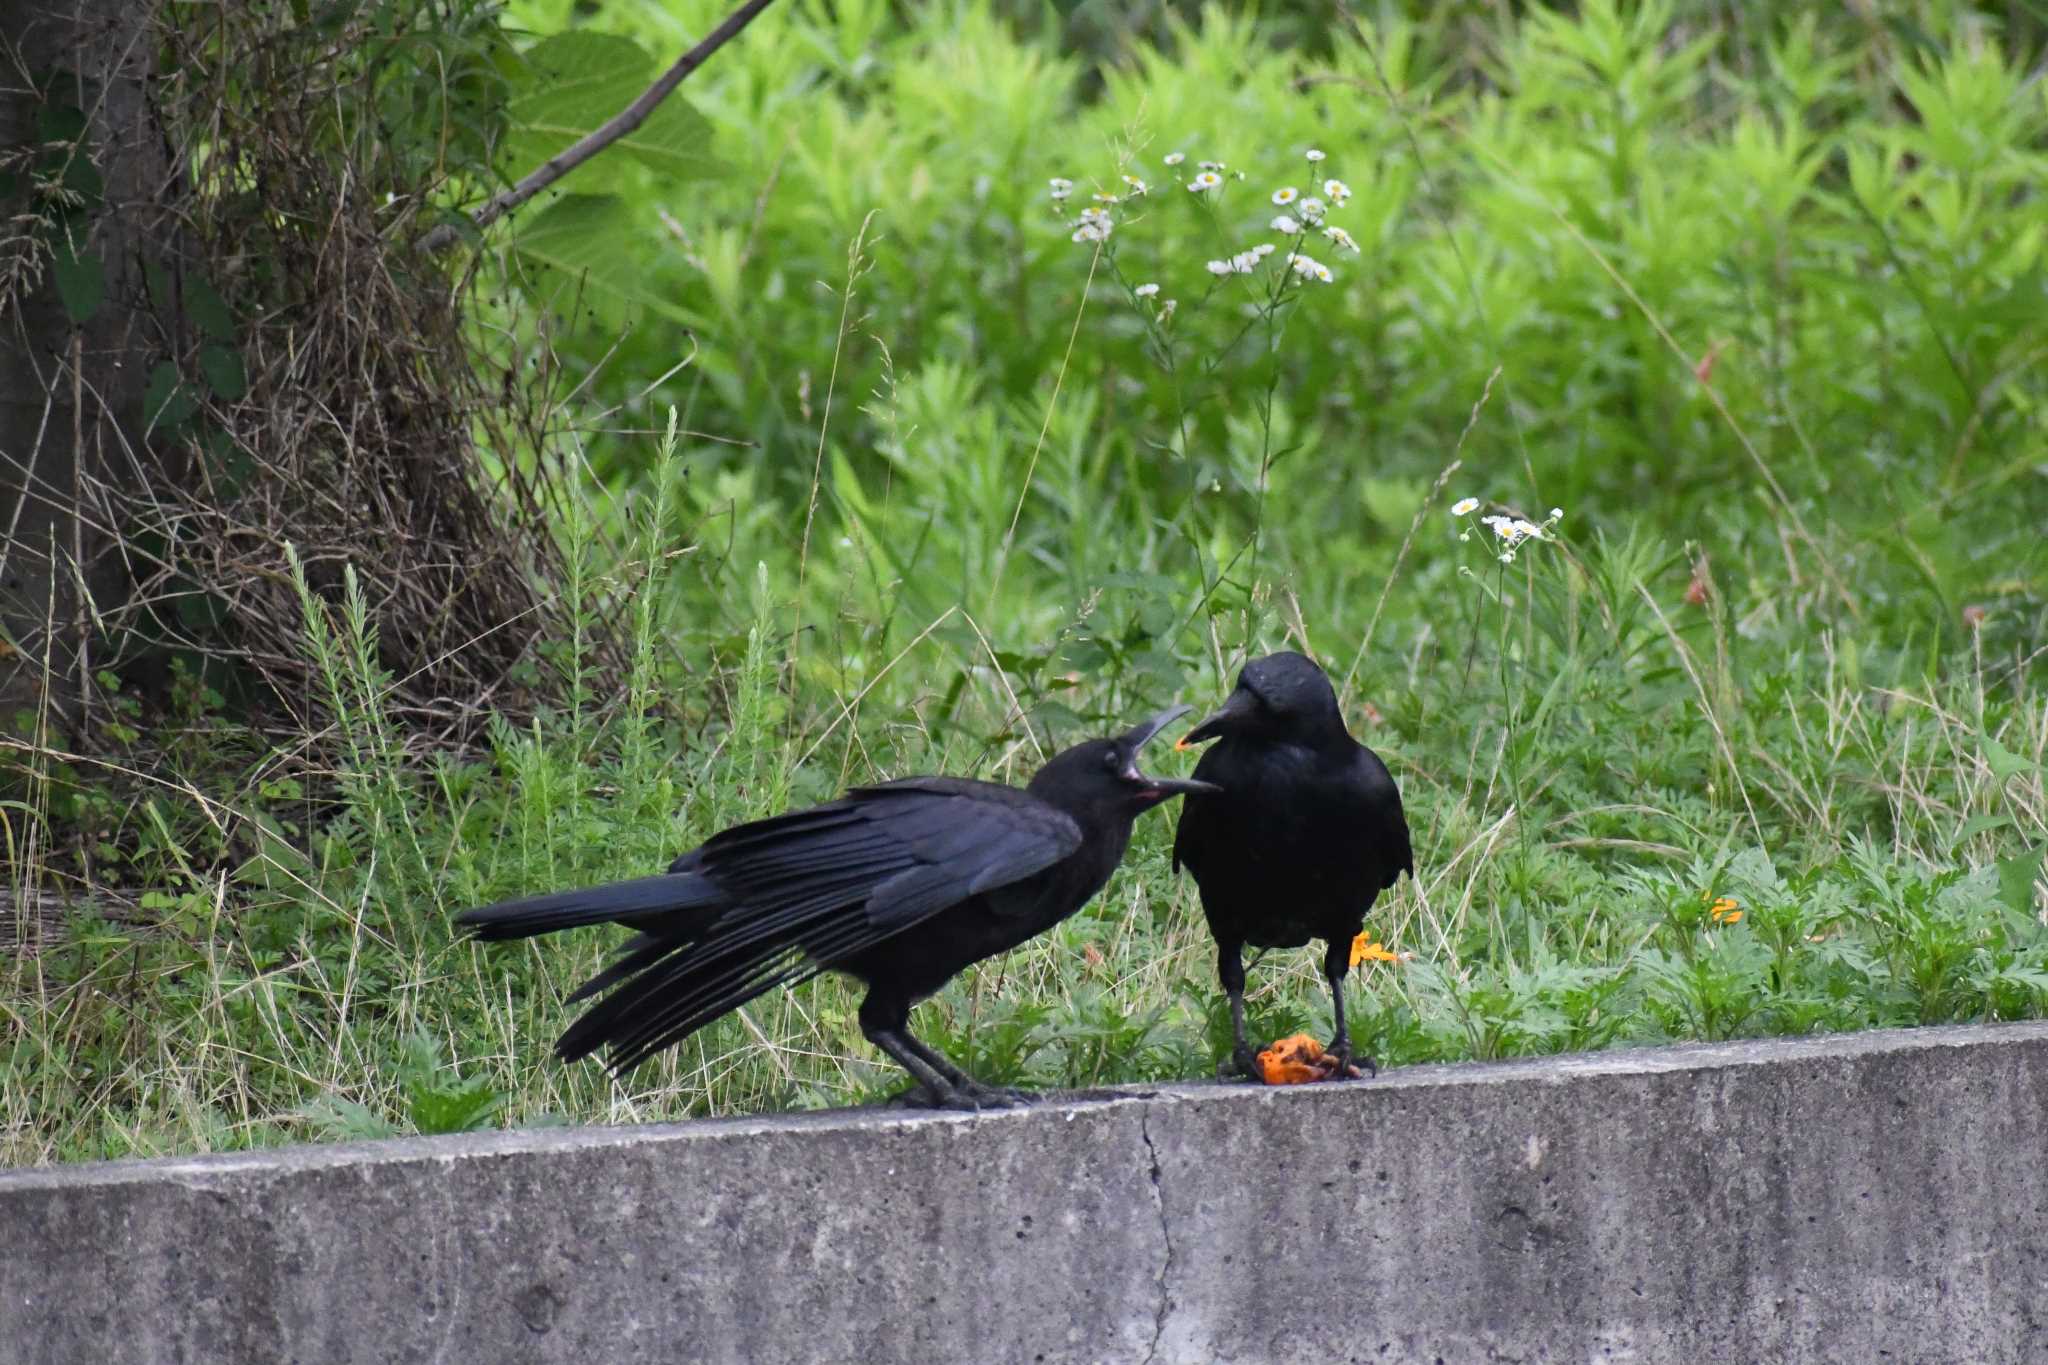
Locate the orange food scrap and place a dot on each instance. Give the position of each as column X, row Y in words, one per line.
column 1299, row 1060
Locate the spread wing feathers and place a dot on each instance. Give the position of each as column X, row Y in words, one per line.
column 810, row 889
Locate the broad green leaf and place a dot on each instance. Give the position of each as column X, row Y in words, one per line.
column 81, row 281
column 2004, row 763
column 575, row 83
column 205, row 306
column 574, row 250
column 167, row 402
column 2016, row 878
column 222, row 367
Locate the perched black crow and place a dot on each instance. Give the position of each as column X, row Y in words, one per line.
column 1304, row 835
column 900, row 885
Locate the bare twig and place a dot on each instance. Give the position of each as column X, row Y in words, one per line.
column 624, row 122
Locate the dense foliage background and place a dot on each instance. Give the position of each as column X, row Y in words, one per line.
column 1751, row 742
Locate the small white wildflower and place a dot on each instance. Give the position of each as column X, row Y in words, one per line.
column 1103, row 197
column 1097, row 231
column 1207, row 180
column 1464, row 535
column 1146, row 291
column 1061, row 189
column 1507, row 556
column 1285, row 225
column 1212, row 165
column 1166, row 310
column 1219, row 268
column 1528, row 530
column 1340, row 239
column 1245, row 261
column 1174, row 158
column 1337, row 191
column 1314, row 155
column 1094, row 213
column 1464, row 507
column 1263, row 250
column 1308, row 267
column 1286, row 195
column 1312, row 210
column 1137, row 186
column 1557, row 514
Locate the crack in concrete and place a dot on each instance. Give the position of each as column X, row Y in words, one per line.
column 1165, row 1237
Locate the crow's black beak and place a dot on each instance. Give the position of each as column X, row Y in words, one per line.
column 1225, row 718
column 1139, row 735
column 1159, row 788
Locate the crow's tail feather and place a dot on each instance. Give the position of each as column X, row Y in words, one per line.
column 670, row 905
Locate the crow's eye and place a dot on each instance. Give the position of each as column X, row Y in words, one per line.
column 1112, row 760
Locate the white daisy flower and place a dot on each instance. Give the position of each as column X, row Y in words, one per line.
column 1323, row 275
column 1286, row 226
column 1263, row 250
column 1244, row 262
column 1135, row 185
column 1337, row 191
column 1286, row 195
column 1312, row 210
column 1207, row 180
column 1314, row 155
column 1061, row 189
column 1464, row 507
column 1340, row 239
column 1527, row 530
column 1103, row 197
column 1219, row 268
column 1146, row 291
column 1174, row 158
column 1212, row 166
column 1166, row 310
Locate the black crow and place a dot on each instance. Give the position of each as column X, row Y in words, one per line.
column 1304, row 835
column 899, row 885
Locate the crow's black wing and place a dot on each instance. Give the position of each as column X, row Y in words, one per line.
column 814, row 887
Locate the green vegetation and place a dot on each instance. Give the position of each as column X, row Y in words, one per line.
column 1759, row 304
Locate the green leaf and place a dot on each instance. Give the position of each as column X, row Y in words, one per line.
column 452, row 1110
column 574, row 84
column 574, row 246
column 2016, row 878
column 222, row 367
column 167, row 402
column 2004, row 763
column 81, row 281
column 205, row 306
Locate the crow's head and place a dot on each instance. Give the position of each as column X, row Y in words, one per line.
column 1284, row 696
column 1105, row 772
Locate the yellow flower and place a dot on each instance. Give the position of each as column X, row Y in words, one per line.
column 1363, row 949
column 1722, row 910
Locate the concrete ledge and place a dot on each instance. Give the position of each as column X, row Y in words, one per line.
column 1879, row 1196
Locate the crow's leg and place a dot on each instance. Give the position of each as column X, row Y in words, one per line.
column 989, row 1096
column 885, row 1023
column 1230, row 971
column 1336, row 966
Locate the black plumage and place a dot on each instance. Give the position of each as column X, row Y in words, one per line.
column 899, row 885
column 1304, row 835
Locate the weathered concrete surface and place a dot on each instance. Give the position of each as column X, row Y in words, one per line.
column 1878, row 1197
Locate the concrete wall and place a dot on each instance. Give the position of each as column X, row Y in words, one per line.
column 1875, row 1197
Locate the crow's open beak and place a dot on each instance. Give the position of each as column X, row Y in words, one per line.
column 1160, row 788
column 1225, row 718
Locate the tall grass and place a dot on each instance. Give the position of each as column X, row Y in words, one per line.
column 1754, row 744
